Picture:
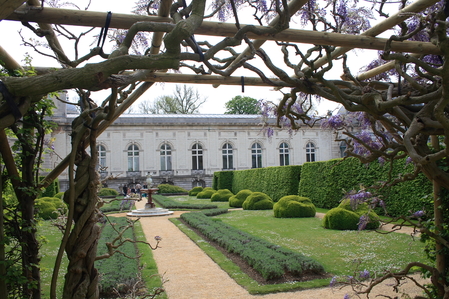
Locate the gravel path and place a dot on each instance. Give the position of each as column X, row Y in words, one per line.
column 190, row 273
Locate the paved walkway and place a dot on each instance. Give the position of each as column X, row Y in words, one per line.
column 190, row 273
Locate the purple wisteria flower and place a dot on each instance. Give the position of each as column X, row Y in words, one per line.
column 364, row 274
column 363, row 221
column 346, row 296
column 333, row 281
column 418, row 214
column 158, row 238
column 335, row 122
column 408, row 161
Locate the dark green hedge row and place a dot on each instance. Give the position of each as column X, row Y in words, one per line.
column 223, row 180
column 167, row 188
column 271, row 261
column 171, row 204
column 326, row 182
column 276, row 182
column 215, row 212
column 52, row 189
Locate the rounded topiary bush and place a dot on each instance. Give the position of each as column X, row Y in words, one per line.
column 206, row 193
column 221, row 195
column 167, row 188
column 339, row 218
column 195, row 190
column 107, row 192
column 344, row 217
column 237, row 200
column 258, row 201
column 47, row 207
column 292, row 206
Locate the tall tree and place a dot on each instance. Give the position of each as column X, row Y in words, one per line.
column 185, row 100
column 242, row 105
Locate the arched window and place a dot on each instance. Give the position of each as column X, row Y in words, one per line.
column 101, row 150
column 228, row 159
column 284, row 154
column 133, row 158
column 197, row 156
column 256, row 155
column 166, row 157
column 310, row 152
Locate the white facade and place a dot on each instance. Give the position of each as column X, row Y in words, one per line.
column 186, row 150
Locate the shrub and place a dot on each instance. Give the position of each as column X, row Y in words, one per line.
column 169, row 203
column 107, row 192
column 59, row 195
column 52, row 189
column 345, row 218
column 292, row 206
column 47, row 206
column 223, row 180
column 206, row 193
column 339, row 218
column 221, row 195
column 258, row 201
column 237, row 200
column 195, row 190
column 167, row 188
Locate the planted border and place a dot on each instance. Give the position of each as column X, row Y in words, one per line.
column 270, row 260
column 169, row 203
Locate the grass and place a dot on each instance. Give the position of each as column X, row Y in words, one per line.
column 194, row 200
column 340, row 252
column 237, row 274
column 52, row 236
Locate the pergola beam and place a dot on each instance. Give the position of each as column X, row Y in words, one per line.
column 211, row 79
column 124, row 21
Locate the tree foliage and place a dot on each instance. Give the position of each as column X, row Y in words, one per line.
column 242, row 105
column 185, row 100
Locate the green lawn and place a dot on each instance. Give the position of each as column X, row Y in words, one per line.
column 49, row 250
column 340, row 252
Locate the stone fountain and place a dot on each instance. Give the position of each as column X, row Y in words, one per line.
column 150, row 208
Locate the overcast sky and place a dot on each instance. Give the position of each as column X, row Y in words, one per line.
column 216, row 97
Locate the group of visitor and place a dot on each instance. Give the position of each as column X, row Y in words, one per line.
column 132, row 189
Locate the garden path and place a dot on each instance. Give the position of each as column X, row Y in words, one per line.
column 190, row 273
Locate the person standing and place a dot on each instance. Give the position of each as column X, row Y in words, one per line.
column 125, row 190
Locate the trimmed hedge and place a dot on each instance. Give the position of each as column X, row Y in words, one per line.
column 52, row 189
column 223, row 180
column 206, row 193
column 171, row 204
column 221, row 195
column 47, row 207
column 107, row 192
column 277, row 181
column 237, row 200
column 258, row 201
column 195, row 190
column 325, row 183
column 294, row 206
column 270, row 260
column 345, row 218
column 167, row 188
